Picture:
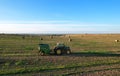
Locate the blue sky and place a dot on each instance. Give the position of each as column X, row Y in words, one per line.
column 59, row 16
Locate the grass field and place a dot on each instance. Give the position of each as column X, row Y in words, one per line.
column 92, row 55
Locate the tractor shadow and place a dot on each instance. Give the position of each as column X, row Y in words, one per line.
column 93, row 54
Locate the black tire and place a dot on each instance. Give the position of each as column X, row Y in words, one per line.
column 68, row 52
column 42, row 53
column 58, row 52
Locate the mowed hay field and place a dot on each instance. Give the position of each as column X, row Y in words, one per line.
column 92, row 55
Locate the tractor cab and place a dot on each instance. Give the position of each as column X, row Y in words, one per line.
column 60, row 48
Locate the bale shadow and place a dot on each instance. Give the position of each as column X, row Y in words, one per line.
column 93, row 54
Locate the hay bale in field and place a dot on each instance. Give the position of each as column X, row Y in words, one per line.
column 23, row 37
column 69, row 37
column 41, row 38
column 82, row 36
column 116, row 40
column 51, row 37
column 70, row 40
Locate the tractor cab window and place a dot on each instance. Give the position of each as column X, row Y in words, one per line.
column 60, row 44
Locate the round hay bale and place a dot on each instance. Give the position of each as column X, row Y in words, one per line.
column 41, row 38
column 23, row 37
column 51, row 37
column 116, row 40
column 70, row 40
column 69, row 37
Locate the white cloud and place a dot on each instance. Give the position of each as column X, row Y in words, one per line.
column 55, row 27
column 39, row 28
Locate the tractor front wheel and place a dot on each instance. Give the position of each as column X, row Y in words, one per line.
column 68, row 52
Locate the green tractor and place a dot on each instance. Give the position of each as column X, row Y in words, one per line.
column 59, row 49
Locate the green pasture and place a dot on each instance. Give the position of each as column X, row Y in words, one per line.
column 92, row 54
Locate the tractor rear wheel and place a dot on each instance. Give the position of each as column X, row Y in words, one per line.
column 58, row 52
